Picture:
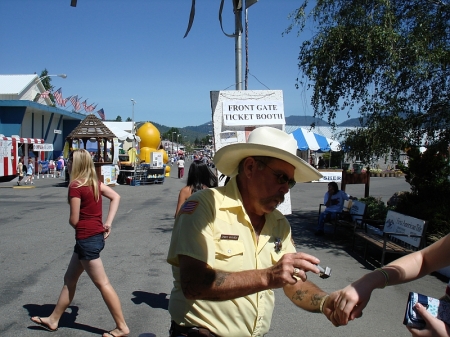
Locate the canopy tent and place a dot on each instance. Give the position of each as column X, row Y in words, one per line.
column 308, row 140
column 123, row 135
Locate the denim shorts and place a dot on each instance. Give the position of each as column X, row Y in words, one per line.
column 90, row 248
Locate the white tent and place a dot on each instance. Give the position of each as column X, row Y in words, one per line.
column 307, row 140
column 122, row 134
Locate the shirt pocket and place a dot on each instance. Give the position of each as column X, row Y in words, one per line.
column 276, row 256
column 229, row 255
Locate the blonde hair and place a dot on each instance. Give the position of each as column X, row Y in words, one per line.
column 83, row 171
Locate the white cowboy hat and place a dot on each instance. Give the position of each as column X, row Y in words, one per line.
column 265, row 141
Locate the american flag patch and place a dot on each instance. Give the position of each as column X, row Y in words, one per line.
column 189, row 207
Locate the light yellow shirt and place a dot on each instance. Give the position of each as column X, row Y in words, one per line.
column 213, row 227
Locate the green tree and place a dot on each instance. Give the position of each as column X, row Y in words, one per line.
column 128, row 119
column 118, row 119
column 171, row 134
column 389, row 60
column 46, row 82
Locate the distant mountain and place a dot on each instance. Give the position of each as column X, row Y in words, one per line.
column 190, row 133
column 305, row 121
column 353, row 122
column 308, row 120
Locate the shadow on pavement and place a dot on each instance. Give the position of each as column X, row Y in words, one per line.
column 303, row 226
column 67, row 319
column 157, row 301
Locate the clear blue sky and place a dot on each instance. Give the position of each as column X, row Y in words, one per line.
column 117, row 50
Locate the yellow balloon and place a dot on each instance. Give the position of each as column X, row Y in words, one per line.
column 144, row 154
column 150, row 136
column 165, row 155
column 167, row 169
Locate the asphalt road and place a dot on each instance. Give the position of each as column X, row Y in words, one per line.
column 37, row 242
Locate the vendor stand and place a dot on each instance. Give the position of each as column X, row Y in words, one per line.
column 93, row 129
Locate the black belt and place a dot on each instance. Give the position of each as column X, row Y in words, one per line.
column 189, row 331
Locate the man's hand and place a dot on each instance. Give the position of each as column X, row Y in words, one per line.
column 290, row 265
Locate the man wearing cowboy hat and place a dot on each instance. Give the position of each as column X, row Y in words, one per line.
column 230, row 246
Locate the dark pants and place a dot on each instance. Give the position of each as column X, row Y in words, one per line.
column 180, row 172
column 183, row 331
column 323, row 217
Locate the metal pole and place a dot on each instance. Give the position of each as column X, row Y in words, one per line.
column 238, row 48
column 133, row 102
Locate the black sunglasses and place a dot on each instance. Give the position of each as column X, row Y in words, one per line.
column 281, row 177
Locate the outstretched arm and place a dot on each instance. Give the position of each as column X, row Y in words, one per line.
column 353, row 299
column 201, row 282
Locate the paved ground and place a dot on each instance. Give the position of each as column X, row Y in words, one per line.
column 36, row 244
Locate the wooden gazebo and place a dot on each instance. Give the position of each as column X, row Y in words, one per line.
column 92, row 128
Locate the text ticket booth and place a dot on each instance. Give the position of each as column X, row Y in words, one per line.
column 235, row 113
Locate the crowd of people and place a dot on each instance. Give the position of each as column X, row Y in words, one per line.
column 230, row 246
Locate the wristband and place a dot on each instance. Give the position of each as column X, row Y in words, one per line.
column 322, row 302
column 386, row 276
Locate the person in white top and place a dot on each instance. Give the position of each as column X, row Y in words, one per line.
column 180, row 164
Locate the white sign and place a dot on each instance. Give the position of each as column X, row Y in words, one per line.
column 253, row 112
column 328, row 177
column 57, row 131
column 156, row 160
column 5, row 148
column 42, row 147
column 109, row 174
column 403, row 224
column 228, row 137
column 116, row 150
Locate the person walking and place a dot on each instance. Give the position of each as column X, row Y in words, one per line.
column 30, row 172
column 20, row 171
column 85, row 200
column 199, row 177
column 180, row 164
column 59, row 167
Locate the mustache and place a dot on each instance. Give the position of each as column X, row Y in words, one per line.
column 279, row 197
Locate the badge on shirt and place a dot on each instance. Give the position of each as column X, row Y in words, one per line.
column 229, row 237
column 188, row 207
column 278, row 245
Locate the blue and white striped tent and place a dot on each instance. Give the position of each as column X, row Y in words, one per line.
column 308, row 140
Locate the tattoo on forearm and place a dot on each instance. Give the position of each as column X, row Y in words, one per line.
column 315, row 299
column 192, row 285
column 220, row 278
column 299, row 295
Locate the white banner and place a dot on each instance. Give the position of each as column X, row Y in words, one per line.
column 404, row 224
column 228, row 137
column 42, row 147
column 253, row 112
column 5, row 148
column 329, row 177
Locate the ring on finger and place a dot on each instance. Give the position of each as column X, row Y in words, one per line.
column 296, row 271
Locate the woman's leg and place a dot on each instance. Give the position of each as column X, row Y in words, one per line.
column 96, row 271
column 74, row 270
